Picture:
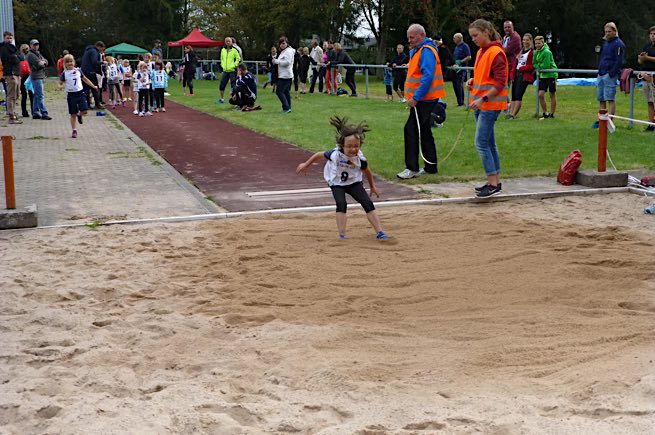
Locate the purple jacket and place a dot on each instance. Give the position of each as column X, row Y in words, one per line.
column 512, row 46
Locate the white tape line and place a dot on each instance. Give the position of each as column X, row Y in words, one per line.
column 328, row 208
column 633, row 120
column 288, row 192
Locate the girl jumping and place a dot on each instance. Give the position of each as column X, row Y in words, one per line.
column 343, row 173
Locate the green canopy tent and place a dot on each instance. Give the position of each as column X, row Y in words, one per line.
column 125, row 49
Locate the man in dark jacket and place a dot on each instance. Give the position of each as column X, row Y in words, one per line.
column 445, row 58
column 38, row 65
column 92, row 65
column 244, row 94
column 609, row 69
column 11, row 72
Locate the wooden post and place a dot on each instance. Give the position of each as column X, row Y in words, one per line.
column 8, row 159
column 602, row 140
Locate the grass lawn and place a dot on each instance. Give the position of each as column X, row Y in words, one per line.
column 528, row 147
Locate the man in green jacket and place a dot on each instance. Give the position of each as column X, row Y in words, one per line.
column 543, row 59
column 230, row 59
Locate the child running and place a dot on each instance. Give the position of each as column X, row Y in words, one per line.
column 71, row 79
column 343, row 173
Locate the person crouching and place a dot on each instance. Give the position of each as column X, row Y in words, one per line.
column 244, row 93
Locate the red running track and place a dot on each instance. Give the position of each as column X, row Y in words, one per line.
column 228, row 162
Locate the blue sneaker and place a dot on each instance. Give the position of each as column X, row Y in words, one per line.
column 287, row 111
column 343, row 236
column 220, row 101
column 594, row 125
column 382, row 236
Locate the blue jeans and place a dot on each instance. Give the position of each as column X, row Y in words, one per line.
column 283, row 93
column 38, row 105
column 606, row 87
column 485, row 141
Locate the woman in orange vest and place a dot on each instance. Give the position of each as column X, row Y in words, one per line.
column 488, row 97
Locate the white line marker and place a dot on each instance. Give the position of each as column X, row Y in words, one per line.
column 289, row 192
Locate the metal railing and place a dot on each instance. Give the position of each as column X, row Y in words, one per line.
column 258, row 65
column 633, row 82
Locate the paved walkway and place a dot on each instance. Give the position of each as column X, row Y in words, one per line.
column 106, row 173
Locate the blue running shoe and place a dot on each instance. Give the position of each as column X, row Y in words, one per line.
column 382, row 236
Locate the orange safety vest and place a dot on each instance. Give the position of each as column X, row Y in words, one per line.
column 413, row 80
column 483, row 82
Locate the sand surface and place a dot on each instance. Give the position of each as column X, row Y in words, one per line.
column 532, row 317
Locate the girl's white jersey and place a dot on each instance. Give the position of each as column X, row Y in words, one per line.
column 142, row 80
column 72, row 79
column 341, row 170
column 113, row 73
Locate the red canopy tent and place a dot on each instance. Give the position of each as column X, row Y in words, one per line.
column 196, row 39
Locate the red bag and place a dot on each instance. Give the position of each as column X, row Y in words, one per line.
column 24, row 68
column 568, row 169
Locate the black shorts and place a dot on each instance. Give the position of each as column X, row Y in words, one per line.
column 548, row 84
column 518, row 87
column 399, row 78
column 357, row 191
column 77, row 102
column 227, row 77
column 127, row 83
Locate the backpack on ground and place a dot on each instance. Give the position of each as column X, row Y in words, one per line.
column 438, row 114
column 569, row 167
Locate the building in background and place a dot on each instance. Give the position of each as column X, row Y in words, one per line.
column 6, row 16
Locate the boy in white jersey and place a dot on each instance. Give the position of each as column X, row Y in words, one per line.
column 343, row 172
column 71, row 79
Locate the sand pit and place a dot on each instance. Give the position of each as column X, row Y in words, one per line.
column 533, row 317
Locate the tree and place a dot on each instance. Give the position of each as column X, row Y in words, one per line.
column 574, row 34
column 71, row 24
column 258, row 24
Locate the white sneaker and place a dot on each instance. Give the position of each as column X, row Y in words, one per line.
column 407, row 174
column 163, row 110
column 136, row 112
column 402, row 100
column 141, row 114
column 148, row 113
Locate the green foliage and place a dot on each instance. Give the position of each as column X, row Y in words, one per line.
column 528, row 147
column 576, row 32
column 71, row 25
column 257, row 24
column 576, row 27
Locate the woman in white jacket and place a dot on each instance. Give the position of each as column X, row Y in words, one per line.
column 284, row 62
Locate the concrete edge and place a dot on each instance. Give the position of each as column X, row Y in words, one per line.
column 179, row 178
column 326, row 208
column 19, row 218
